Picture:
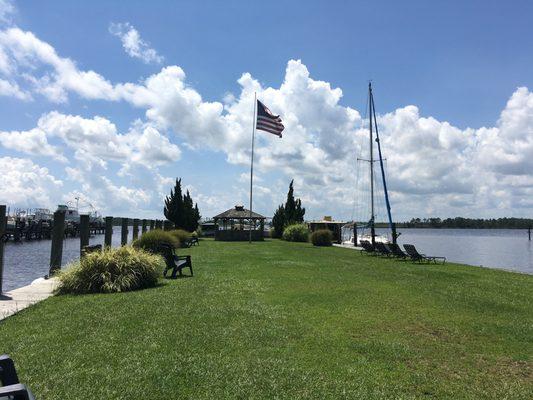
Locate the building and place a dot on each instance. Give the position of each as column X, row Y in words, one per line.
column 327, row 223
column 234, row 225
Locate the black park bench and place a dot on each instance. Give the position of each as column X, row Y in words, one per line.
column 173, row 262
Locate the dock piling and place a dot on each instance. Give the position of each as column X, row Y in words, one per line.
column 58, row 235
column 152, row 224
column 135, row 228
column 108, row 231
column 143, row 224
column 84, row 232
column 124, row 233
column 3, row 222
column 167, row 225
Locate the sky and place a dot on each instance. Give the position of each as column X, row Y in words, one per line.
column 110, row 101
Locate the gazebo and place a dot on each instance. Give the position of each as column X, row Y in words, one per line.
column 234, row 225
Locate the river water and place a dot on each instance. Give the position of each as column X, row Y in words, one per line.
column 496, row 248
column 27, row 261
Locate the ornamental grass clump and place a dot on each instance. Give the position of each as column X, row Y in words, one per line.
column 296, row 233
column 322, row 237
column 113, row 270
column 181, row 235
column 152, row 240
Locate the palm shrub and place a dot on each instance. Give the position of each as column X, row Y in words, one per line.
column 296, row 233
column 322, row 237
column 181, row 235
column 151, row 240
column 113, row 270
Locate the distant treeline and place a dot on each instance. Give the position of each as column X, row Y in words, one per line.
column 470, row 223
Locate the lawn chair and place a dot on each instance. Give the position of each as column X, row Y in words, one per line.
column 191, row 242
column 10, row 387
column 396, row 250
column 382, row 249
column 174, row 262
column 367, row 247
column 416, row 256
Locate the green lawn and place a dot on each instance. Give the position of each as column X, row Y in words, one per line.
column 284, row 320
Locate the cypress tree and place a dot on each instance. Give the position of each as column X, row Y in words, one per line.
column 278, row 221
column 174, row 210
column 290, row 206
column 197, row 216
column 290, row 213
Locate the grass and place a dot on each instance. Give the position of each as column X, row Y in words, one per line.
column 286, row 320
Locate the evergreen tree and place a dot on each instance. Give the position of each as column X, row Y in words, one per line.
column 197, row 216
column 180, row 210
column 289, row 213
column 299, row 213
column 290, row 206
column 278, row 221
column 174, row 210
column 294, row 213
column 189, row 224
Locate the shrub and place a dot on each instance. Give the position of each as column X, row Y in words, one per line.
column 151, row 240
column 296, row 233
column 114, row 270
column 181, row 235
column 322, row 237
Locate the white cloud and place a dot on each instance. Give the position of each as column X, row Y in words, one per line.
column 11, row 89
column 133, row 44
column 433, row 166
column 7, row 10
column 26, row 52
column 26, row 184
column 30, row 142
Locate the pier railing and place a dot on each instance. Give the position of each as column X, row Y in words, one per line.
column 59, row 232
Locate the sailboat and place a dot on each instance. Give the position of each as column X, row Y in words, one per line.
column 373, row 134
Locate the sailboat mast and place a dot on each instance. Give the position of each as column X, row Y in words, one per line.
column 387, row 202
column 372, row 227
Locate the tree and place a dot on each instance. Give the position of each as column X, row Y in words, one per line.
column 174, row 210
column 179, row 209
column 278, row 221
column 294, row 213
column 290, row 213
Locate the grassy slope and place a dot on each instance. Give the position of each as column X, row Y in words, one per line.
column 286, row 320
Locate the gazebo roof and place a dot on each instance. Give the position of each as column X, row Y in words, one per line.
column 238, row 212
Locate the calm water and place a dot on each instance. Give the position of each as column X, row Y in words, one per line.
column 27, row 261
column 497, row 248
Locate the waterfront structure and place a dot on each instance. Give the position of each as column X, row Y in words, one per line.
column 239, row 224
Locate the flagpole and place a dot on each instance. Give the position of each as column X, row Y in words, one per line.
column 252, row 168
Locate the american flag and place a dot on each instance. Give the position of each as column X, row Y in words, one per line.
column 266, row 121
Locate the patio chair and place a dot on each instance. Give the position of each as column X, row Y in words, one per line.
column 367, row 247
column 191, row 242
column 416, row 256
column 18, row 391
column 396, row 251
column 174, row 262
column 10, row 387
column 8, row 373
column 382, row 249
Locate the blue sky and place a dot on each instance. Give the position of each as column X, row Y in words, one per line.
column 447, row 78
